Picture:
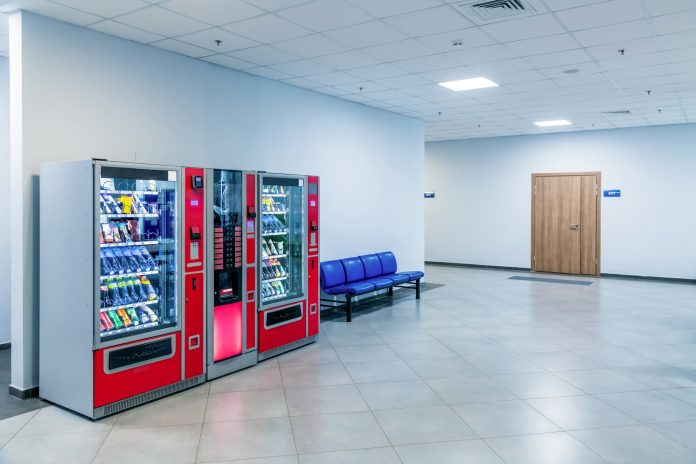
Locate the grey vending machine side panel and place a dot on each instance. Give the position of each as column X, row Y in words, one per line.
column 67, row 293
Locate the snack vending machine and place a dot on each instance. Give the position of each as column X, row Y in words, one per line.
column 231, row 289
column 288, row 249
column 122, row 256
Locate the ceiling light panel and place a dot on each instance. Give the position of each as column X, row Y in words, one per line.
column 469, row 84
column 553, row 123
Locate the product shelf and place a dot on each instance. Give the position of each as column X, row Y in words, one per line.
column 132, row 305
column 125, row 244
column 130, row 274
column 128, row 216
column 130, row 192
column 272, row 234
column 275, row 195
column 274, row 212
column 275, row 279
column 132, row 328
column 275, row 256
column 275, row 297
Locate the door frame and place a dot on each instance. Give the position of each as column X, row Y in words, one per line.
column 599, row 212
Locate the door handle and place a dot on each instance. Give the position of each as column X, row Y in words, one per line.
column 575, row 226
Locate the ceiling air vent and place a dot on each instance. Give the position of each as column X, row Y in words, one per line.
column 617, row 113
column 482, row 12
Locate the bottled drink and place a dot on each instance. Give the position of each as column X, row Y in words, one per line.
column 150, row 314
column 133, row 263
column 147, row 286
column 151, row 264
column 123, row 264
column 144, row 318
column 123, row 291
column 113, row 263
column 105, row 321
column 124, row 317
column 114, row 292
column 115, row 319
column 103, row 295
column 133, row 316
column 138, row 256
column 272, row 247
column 106, row 268
column 139, row 290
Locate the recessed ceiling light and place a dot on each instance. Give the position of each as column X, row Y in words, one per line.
column 559, row 122
column 571, row 71
column 469, row 84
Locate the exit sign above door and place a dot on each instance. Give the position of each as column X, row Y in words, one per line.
column 612, row 193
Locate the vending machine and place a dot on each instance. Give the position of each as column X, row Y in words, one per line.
column 288, row 270
column 122, row 258
column 231, row 288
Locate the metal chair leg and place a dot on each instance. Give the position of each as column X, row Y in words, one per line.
column 348, row 314
column 418, row 289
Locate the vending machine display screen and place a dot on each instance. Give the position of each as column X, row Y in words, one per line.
column 137, row 232
column 227, row 236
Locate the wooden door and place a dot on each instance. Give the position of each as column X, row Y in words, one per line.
column 565, row 223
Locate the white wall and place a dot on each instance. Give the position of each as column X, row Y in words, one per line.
column 482, row 210
column 5, row 194
column 87, row 94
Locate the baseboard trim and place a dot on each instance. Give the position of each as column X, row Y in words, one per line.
column 671, row 280
column 5, row 346
column 32, row 392
column 478, row 266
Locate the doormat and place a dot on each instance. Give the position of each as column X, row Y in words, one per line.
column 552, row 281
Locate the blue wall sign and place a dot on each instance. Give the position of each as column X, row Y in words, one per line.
column 429, row 194
column 612, row 193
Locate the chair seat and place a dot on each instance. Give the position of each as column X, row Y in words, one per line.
column 397, row 278
column 413, row 275
column 355, row 288
column 380, row 282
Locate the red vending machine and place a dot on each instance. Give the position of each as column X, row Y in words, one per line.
column 121, row 284
column 231, row 289
column 288, row 249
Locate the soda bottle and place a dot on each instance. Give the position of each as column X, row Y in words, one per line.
column 151, row 264
column 123, row 291
column 113, row 315
column 113, row 264
column 274, row 250
column 133, row 263
column 150, row 314
column 132, row 293
column 147, row 286
column 139, row 290
column 105, row 321
column 144, row 318
column 133, row 316
column 121, row 259
column 124, row 317
column 114, row 292
column 138, row 256
column 106, row 268
column 103, row 295
column 281, row 269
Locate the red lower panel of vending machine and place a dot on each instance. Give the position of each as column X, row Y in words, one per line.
column 282, row 326
column 128, row 370
column 227, row 331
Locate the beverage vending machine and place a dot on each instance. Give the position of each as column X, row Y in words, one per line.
column 122, row 289
column 288, row 270
column 231, row 302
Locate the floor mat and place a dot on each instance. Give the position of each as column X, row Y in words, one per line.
column 552, row 281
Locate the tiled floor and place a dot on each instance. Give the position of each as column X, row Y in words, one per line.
column 483, row 370
column 11, row 405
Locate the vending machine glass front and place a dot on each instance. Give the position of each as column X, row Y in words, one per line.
column 138, row 218
column 282, row 239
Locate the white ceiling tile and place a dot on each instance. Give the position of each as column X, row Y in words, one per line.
column 426, row 63
column 335, row 78
column 361, row 86
column 524, row 28
column 678, row 22
column 428, row 22
column 556, row 5
column 366, row 34
column 384, row 8
column 207, row 39
column 614, row 33
column 331, row 91
column 302, row 82
column 630, row 48
column 481, row 55
column 522, row 87
column 378, row 71
column 269, row 73
column 183, row 48
column 683, row 67
column 632, row 73
column 602, row 14
column 52, row 10
column 626, row 62
column 323, row 15
column 453, row 74
column 272, row 5
column 267, row 28
column 678, row 40
column 105, row 8
column 386, row 94
column 663, row 7
column 517, row 77
column 311, row 46
column 501, row 67
column 163, row 22
column 124, row 31
column 228, row 61
column 470, row 38
column 584, row 69
column 348, row 60
column 551, row 60
column 264, row 55
column 397, row 51
column 215, row 12
column 537, row 46
column 680, row 54
column 400, row 82
column 302, row 68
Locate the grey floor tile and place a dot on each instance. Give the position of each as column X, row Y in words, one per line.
column 687, row 395
column 173, row 410
column 504, row 363
column 562, row 361
column 547, row 448
column 634, row 445
column 454, row 452
column 10, row 426
column 235, row 406
column 53, row 420
column 355, row 338
column 537, row 385
column 406, row 336
column 274, row 460
column 71, row 448
column 444, row 368
column 314, row 375
column 680, row 432
column 580, row 412
column 392, row 395
column 423, row 425
column 336, row 432
column 470, row 390
column 601, row 381
column 650, row 406
column 526, row 345
column 385, row 371
column 660, row 376
column 366, row 353
column 324, row 400
column 427, row 350
column 311, row 354
column 260, row 377
column 504, row 418
column 364, row 456
column 614, row 357
column 172, row 444
column 221, row 441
